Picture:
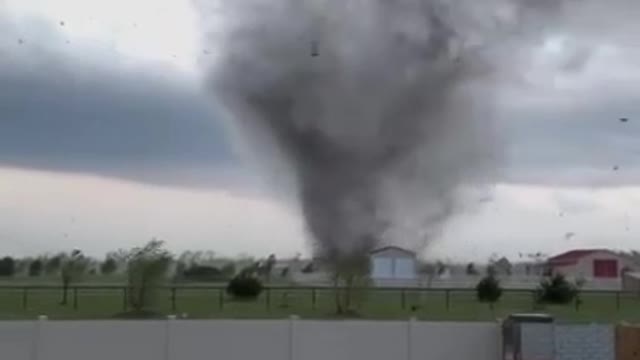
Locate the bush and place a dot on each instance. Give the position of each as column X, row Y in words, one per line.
column 7, row 266
column 244, row 288
column 35, row 268
column 488, row 289
column 556, row 290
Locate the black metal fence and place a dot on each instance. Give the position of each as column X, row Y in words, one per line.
column 179, row 298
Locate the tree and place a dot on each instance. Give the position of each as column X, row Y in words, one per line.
column 243, row 287
column 491, row 270
column 109, row 265
column 202, row 273
column 557, row 290
column 7, row 266
column 489, row 290
column 72, row 268
column 349, row 274
column 429, row 271
column 308, row 269
column 269, row 264
column 441, row 268
column 471, row 269
column 53, row 264
column 35, row 268
column 147, row 268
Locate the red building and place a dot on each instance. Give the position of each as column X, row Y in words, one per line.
column 592, row 263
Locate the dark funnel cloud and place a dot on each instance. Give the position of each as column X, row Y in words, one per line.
column 381, row 109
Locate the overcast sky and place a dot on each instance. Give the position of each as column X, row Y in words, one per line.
column 107, row 139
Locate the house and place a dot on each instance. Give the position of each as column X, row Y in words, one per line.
column 590, row 264
column 392, row 265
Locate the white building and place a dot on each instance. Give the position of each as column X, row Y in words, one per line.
column 394, row 266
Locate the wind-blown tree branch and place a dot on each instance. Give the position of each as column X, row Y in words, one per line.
column 72, row 268
column 350, row 273
column 147, row 269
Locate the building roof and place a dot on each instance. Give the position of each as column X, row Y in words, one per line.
column 572, row 257
column 396, row 248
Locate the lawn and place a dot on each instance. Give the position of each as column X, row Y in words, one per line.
column 194, row 302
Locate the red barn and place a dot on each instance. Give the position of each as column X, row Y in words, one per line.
column 590, row 264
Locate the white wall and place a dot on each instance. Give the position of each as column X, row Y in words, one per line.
column 251, row 339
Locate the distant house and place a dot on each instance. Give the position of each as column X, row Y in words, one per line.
column 590, row 264
column 393, row 265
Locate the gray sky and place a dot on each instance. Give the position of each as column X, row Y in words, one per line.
column 107, row 139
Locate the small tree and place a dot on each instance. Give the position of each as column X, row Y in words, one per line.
column 349, row 273
column 244, row 287
column 556, row 290
column 7, row 266
column 72, row 267
column 308, row 269
column 109, row 265
column 147, row 268
column 269, row 264
column 489, row 290
column 35, row 268
column 53, row 265
column 471, row 269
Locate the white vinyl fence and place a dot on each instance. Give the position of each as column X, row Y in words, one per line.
column 242, row 340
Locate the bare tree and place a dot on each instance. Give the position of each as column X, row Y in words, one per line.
column 350, row 276
column 72, row 267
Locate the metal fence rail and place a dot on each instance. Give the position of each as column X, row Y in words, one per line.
column 403, row 296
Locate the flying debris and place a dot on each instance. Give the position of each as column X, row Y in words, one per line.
column 20, row 41
column 616, row 168
column 561, row 214
column 61, row 23
column 314, row 49
column 624, row 120
column 569, row 235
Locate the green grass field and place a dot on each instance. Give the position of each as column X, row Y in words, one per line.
column 277, row 303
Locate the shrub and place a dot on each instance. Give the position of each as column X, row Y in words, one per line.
column 35, row 267
column 244, row 288
column 7, row 266
column 489, row 289
column 556, row 290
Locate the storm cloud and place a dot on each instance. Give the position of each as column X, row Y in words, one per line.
column 64, row 112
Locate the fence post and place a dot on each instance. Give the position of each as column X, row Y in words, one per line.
column 446, row 298
column 124, row 298
column 75, row 298
column 268, row 299
column 313, row 298
column 25, row 295
column 403, row 299
column 410, row 325
column 221, row 299
column 293, row 319
column 617, row 300
column 174, row 307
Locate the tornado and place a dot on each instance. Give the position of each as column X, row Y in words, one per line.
column 382, row 111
